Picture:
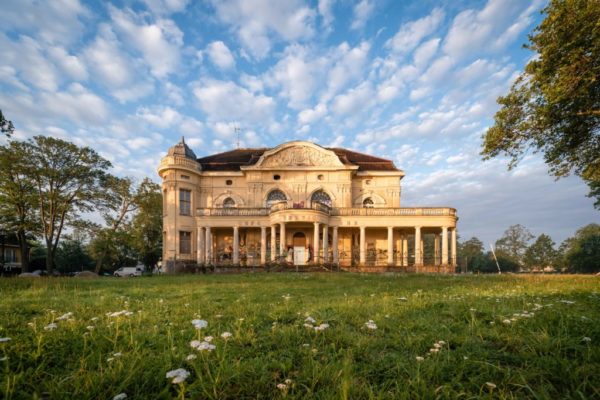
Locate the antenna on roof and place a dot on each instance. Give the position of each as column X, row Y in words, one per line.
column 237, row 131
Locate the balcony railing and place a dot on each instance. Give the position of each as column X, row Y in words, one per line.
column 339, row 211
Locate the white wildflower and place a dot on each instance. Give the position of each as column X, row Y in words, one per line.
column 208, row 338
column 321, row 327
column 199, row 323
column 5, row 339
column 434, row 350
column 371, row 324
column 119, row 354
column 586, row 339
column 50, row 327
column 4, row 358
column 437, row 345
column 307, row 325
column 110, row 359
column 191, row 357
column 441, row 342
column 179, row 375
column 282, row 386
column 65, row 316
column 507, row 322
column 226, row 335
column 419, row 358
column 89, row 328
column 402, row 299
column 119, row 313
column 490, row 385
column 94, row 319
column 310, row 320
column 288, row 381
column 286, row 297
column 120, row 396
column 306, row 345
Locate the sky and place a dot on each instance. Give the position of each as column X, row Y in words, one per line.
column 412, row 81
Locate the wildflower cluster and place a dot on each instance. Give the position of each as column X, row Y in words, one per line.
column 178, row 375
column 125, row 313
column 370, row 324
column 309, row 321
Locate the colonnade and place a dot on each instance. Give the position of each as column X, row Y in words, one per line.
column 447, row 256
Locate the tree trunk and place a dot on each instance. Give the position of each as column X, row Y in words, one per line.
column 49, row 259
column 24, row 247
column 100, row 260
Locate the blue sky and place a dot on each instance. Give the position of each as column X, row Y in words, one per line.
column 412, row 81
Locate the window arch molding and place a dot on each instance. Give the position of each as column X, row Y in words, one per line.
column 321, row 196
column 220, row 199
column 378, row 201
column 275, row 195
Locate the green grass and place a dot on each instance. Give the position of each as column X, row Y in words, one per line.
column 543, row 356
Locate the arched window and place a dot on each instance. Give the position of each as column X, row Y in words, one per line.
column 275, row 197
column 368, row 203
column 228, row 203
column 321, row 197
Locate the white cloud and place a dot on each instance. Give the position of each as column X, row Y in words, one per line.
column 412, row 33
column 191, row 126
column 226, row 101
column 54, row 22
column 325, row 8
column 78, row 104
column 166, row 6
column 72, row 65
column 310, row 116
column 491, row 28
column 354, row 100
column 425, row 52
column 220, row 55
column 348, row 65
column 159, row 43
column 160, row 117
column 362, row 12
column 256, row 21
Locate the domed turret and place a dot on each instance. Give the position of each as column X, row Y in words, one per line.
column 182, row 150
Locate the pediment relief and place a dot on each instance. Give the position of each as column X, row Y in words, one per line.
column 299, row 155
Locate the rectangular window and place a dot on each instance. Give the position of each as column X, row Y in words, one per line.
column 185, row 242
column 10, row 255
column 185, row 202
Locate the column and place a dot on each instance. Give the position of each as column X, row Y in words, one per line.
column 444, row 245
column 436, row 249
column 325, row 243
column 273, row 242
column 453, row 244
column 200, row 246
column 236, row 245
column 418, row 252
column 363, row 250
column 390, row 249
column 208, row 246
column 282, row 247
column 316, row 243
column 405, row 251
column 263, row 245
column 334, row 240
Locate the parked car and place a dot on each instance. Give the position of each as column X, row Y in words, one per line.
column 129, row 271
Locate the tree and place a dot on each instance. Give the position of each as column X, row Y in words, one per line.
column 470, row 254
column 514, row 243
column 541, row 253
column 554, row 106
column 583, row 254
column 120, row 200
column 6, row 126
column 507, row 264
column 147, row 224
column 68, row 180
column 17, row 197
column 71, row 255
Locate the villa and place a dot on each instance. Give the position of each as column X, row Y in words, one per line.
column 301, row 204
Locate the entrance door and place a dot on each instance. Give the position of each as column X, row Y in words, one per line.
column 299, row 242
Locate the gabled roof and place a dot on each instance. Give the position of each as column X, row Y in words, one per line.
column 234, row 159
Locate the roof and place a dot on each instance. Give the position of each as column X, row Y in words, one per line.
column 234, row 159
column 182, row 149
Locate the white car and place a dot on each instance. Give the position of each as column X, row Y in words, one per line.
column 129, row 271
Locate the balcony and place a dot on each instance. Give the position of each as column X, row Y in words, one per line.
column 339, row 211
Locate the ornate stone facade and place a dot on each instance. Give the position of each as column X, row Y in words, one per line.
column 298, row 203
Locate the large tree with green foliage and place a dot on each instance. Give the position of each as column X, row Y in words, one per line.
column 6, row 126
column 514, row 243
column 541, row 253
column 470, row 254
column 554, row 106
column 147, row 223
column 583, row 253
column 68, row 180
column 17, row 201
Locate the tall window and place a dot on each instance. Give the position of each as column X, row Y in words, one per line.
column 185, row 242
column 368, row 203
column 185, row 202
column 321, row 197
column 228, row 203
column 275, row 196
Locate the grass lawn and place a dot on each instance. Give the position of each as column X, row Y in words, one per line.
column 429, row 337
